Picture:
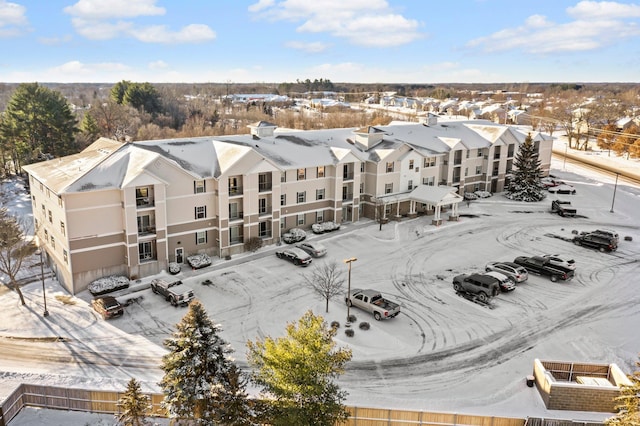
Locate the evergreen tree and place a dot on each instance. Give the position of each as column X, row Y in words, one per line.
column 231, row 405
column 134, row 405
column 37, row 120
column 629, row 403
column 141, row 96
column 196, row 368
column 296, row 374
column 525, row 183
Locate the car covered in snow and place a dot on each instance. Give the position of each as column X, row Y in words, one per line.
column 506, row 283
column 562, row 189
column 314, row 249
column 107, row 306
column 560, row 260
column 482, row 194
column 295, row 235
column 516, row 272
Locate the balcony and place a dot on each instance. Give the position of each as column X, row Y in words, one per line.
column 264, row 211
column 457, row 161
column 236, row 216
column 263, row 187
column 347, row 197
column 147, row 230
column 144, row 202
column 347, row 176
column 235, row 190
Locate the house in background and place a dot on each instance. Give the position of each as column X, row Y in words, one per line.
column 132, row 208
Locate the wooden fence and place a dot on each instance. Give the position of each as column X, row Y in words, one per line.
column 96, row 401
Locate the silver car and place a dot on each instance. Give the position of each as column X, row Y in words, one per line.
column 314, row 249
column 516, row 272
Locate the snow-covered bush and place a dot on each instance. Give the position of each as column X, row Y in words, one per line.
column 335, row 324
column 174, row 268
column 349, row 332
column 198, row 261
column 364, row 325
column 108, row 284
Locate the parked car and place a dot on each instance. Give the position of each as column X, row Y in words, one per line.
column 560, row 260
column 563, row 208
column 516, row 272
column 483, row 194
column 314, row 249
column 107, row 306
column 550, row 182
column 469, row 196
column 295, row 235
column 562, row 189
column 506, row 283
column 174, row 292
column 596, row 241
column 372, row 301
column 608, row 233
column 540, row 266
column 295, row 255
column 321, row 228
column 483, row 287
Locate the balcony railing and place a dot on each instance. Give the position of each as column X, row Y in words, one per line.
column 146, row 257
column 265, row 234
column 347, row 176
column 264, row 211
column 347, row 196
column 236, row 216
column 265, row 187
column 235, row 190
column 147, row 230
column 142, row 202
column 457, row 161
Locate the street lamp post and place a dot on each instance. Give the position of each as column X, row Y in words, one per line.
column 44, row 294
column 564, row 162
column 615, row 187
column 349, row 262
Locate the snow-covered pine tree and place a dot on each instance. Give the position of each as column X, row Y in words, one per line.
column 525, row 184
column 197, row 362
column 134, row 405
column 628, row 403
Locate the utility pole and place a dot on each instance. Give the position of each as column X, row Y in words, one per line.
column 349, row 262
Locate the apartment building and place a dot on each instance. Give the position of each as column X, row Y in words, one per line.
column 131, row 208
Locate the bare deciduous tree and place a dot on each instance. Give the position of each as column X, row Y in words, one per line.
column 14, row 249
column 327, row 280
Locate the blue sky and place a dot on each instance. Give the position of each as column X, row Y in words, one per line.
column 368, row 41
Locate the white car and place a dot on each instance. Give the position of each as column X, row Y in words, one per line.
column 516, row 272
column 482, row 194
column 562, row 189
column 314, row 249
column 562, row 261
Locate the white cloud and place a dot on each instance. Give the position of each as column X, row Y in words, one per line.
column 193, row 33
column 363, row 22
column 79, row 68
column 541, row 36
column 603, row 10
column 100, row 20
column 261, row 5
column 53, row 41
column 12, row 19
column 158, row 65
column 314, row 47
column 100, row 9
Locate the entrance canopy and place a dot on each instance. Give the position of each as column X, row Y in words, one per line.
column 436, row 196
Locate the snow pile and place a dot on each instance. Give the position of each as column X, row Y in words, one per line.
column 198, row 261
column 174, row 268
column 108, row 284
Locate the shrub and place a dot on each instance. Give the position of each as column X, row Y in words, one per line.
column 198, row 261
column 174, row 268
column 108, row 284
column 335, row 324
column 349, row 332
column 253, row 244
column 364, row 325
column 352, row 318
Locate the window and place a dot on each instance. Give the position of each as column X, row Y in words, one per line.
column 145, row 250
column 50, row 217
column 428, row 180
column 302, row 197
column 479, row 152
column 468, row 153
column 361, row 188
column 510, row 150
column 283, row 199
column 62, row 228
column 361, row 167
column 390, row 167
column 410, row 185
column 235, row 234
column 496, row 153
column 198, row 187
column 320, row 194
column 235, row 185
column 65, row 256
column 201, row 212
column 263, row 207
column 321, row 171
column 410, row 164
column 283, row 177
column 478, row 170
column 388, row 188
column 264, row 182
column 319, row 216
column 302, row 174
column 234, row 211
column 46, row 235
column 142, row 197
column 387, row 209
column 53, row 242
column 429, row 162
column 201, row 237
column 59, row 201
column 264, row 230
column 44, row 211
column 466, row 171
column 300, row 220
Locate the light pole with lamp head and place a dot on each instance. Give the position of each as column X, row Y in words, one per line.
column 349, row 262
column 614, row 192
column 44, row 293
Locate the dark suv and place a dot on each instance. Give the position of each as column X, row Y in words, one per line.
column 596, row 240
column 107, row 306
column 483, row 286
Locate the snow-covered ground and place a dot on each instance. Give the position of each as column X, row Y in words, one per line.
column 443, row 353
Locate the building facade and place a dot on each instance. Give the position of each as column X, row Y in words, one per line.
column 132, row 208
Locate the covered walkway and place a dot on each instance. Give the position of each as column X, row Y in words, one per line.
column 429, row 198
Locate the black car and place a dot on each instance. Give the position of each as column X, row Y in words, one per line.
column 295, row 255
column 107, row 306
column 597, row 241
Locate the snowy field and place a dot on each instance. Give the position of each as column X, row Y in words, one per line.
column 442, row 353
